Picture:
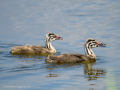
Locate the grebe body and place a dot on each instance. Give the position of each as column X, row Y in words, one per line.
column 70, row 58
column 38, row 49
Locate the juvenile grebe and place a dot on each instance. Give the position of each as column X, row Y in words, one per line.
column 38, row 49
column 70, row 58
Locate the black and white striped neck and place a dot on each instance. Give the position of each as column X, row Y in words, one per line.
column 88, row 48
column 50, row 47
column 48, row 44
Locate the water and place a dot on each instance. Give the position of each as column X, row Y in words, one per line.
column 27, row 21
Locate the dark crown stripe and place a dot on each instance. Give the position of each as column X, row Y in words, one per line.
column 50, row 34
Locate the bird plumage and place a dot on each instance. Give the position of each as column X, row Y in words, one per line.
column 70, row 58
column 38, row 49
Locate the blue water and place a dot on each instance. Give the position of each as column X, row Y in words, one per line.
column 28, row 21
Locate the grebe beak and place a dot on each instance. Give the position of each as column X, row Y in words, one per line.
column 58, row 38
column 101, row 44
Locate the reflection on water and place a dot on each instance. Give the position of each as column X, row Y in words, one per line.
column 33, row 55
column 30, row 55
column 93, row 73
column 52, row 66
column 90, row 72
column 52, row 75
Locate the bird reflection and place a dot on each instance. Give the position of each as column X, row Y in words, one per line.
column 30, row 55
column 52, row 75
column 93, row 73
column 33, row 55
column 90, row 73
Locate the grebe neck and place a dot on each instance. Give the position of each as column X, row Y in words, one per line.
column 88, row 50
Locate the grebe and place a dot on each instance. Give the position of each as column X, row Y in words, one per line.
column 70, row 58
column 38, row 49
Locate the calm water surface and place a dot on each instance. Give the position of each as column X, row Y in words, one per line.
column 27, row 21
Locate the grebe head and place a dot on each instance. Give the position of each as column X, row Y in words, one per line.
column 52, row 37
column 92, row 43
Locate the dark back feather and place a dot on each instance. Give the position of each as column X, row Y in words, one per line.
column 29, row 49
column 68, row 58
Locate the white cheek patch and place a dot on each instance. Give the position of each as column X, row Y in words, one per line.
column 52, row 39
column 94, row 46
